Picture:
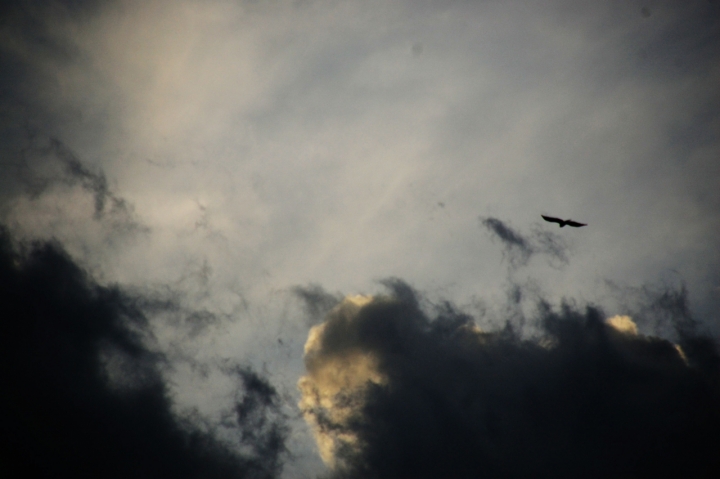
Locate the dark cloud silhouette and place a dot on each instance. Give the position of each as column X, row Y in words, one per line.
column 393, row 391
column 519, row 248
column 83, row 395
column 665, row 310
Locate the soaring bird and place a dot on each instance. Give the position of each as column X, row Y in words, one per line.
column 563, row 222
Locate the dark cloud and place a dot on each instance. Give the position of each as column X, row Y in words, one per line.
column 394, row 392
column 666, row 311
column 519, row 248
column 83, row 395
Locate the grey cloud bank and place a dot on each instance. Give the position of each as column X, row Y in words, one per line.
column 84, row 394
column 395, row 392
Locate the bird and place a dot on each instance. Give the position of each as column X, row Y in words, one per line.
column 563, row 222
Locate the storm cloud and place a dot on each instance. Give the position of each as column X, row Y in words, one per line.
column 393, row 391
column 84, row 395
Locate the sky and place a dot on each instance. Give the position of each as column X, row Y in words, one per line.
column 207, row 180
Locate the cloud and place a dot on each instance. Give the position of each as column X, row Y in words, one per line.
column 667, row 312
column 519, row 249
column 84, row 395
column 317, row 301
column 624, row 324
column 270, row 144
column 95, row 183
column 393, row 391
column 57, row 195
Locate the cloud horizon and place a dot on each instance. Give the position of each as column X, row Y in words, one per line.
column 393, row 392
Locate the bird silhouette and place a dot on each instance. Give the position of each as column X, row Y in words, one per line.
column 563, row 222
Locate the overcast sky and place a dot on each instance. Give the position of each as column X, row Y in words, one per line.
column 224, row 154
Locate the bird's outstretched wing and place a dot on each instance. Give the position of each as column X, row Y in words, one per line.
column 575, row 223
column 563, row 222
column 552, row 220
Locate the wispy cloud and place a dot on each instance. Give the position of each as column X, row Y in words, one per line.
column 56, row 193
column 519, row 248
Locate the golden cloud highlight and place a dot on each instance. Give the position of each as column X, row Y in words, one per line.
column 333, row 379
column 623, row 324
